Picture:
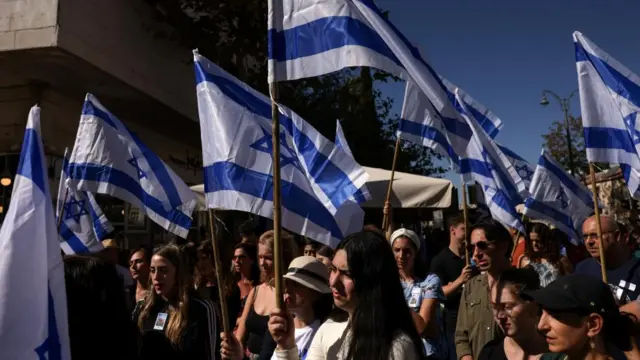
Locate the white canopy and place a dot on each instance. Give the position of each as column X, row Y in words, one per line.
column 409, row 191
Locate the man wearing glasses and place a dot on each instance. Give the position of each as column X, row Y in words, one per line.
column 490, row 245
column 623, row 271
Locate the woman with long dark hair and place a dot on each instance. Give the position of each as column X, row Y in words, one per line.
column 364, row 283
column 325, row 255
column 423, row 295
column 245, row 269
column 97, row 311
column 543, row 255
column 173, row 321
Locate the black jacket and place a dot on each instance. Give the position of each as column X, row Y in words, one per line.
column 199, row 341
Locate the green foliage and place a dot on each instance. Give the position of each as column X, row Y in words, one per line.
column 555, row 141
column 232, row 33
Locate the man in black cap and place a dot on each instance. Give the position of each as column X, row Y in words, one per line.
column 580, row 316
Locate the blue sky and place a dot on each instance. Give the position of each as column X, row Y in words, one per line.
column 504, row 53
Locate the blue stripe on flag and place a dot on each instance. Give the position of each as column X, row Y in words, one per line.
column 609, row 138
column 30, row 165
column 545, row 209
column 611, row 77
column 325, row 34
column 72, row 240
column 99, row 229
column 510, row 153
column 501, row 199
column 429, row 133
column 227, row 176
column 120, row 179
column 567, row 181
column 155, row 164
column 323, row 171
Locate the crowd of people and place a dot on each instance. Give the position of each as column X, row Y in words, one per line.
column 520, row 296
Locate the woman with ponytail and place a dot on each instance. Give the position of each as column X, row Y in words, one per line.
column 173, row 321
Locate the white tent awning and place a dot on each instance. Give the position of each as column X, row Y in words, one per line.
column 409, row 191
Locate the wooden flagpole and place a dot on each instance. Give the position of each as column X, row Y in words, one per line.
column 596, row 209
column 219, row 275
column 385, row 217
column 465, row 214
column 277, row 205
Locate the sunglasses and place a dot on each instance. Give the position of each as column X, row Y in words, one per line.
column 482, row 245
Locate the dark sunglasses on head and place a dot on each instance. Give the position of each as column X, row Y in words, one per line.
column 482, row 245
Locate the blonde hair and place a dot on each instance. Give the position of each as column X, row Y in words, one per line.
column 179, row 314
column 289, row 247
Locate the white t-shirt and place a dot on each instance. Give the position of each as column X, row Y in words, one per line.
column 303, row 339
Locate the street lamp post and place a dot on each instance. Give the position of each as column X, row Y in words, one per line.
column 564, row 105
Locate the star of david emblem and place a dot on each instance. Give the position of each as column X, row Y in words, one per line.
column 134, row 162
column 75, row 209
column 563, row 200
column 287, row 154
column 630, row 120
column 524, row 172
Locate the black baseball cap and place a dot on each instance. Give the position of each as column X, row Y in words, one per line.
column 575, row 293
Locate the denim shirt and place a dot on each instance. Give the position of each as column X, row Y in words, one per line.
column 415, row 293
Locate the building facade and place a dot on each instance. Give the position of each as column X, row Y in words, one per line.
column 53, row 52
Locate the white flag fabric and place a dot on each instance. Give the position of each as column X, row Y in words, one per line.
column 485, row 164
column 362, row 195
column 83, row 224
column 33, row 301
column 109, row 159
column 489, row 122
column 609, row 102
column 524, row 169
column 558, row 198
column 316, row 176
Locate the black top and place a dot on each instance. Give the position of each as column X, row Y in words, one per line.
column 196, row 341
column 624, row 281
column 256, row 328
column 493, row 350
column 448, row 267
column 234, row 303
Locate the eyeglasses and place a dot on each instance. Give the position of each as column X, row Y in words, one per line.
column 594, row 236
column 482, row 245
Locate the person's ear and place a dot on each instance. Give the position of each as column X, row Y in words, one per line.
column 594, row 325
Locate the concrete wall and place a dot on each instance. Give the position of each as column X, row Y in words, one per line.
column 59, row 123
column 122, row 38
column 28, row 24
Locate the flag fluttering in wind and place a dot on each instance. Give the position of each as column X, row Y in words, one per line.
column 362, row 194
column 83, row 224
column 558, row 198
column 109, row 159
column 485, row 164
column 33, row 301
column 524, row 169
column 609, row 102
column 317, row 178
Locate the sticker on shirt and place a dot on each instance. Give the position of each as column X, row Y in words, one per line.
column 622, row 290
column 416, row 295
column 161, row 320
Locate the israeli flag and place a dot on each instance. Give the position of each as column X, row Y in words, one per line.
column 33, row 300
column 489, row 122
column 109, row 159
column 362, row 195
column 485, row 164
column 524, row 169
column 316, row 37
column 83, row 224
column 558, row 198
column 609, row 101
column 316, row 176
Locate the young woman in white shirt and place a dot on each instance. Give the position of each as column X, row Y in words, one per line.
column 364, row 280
